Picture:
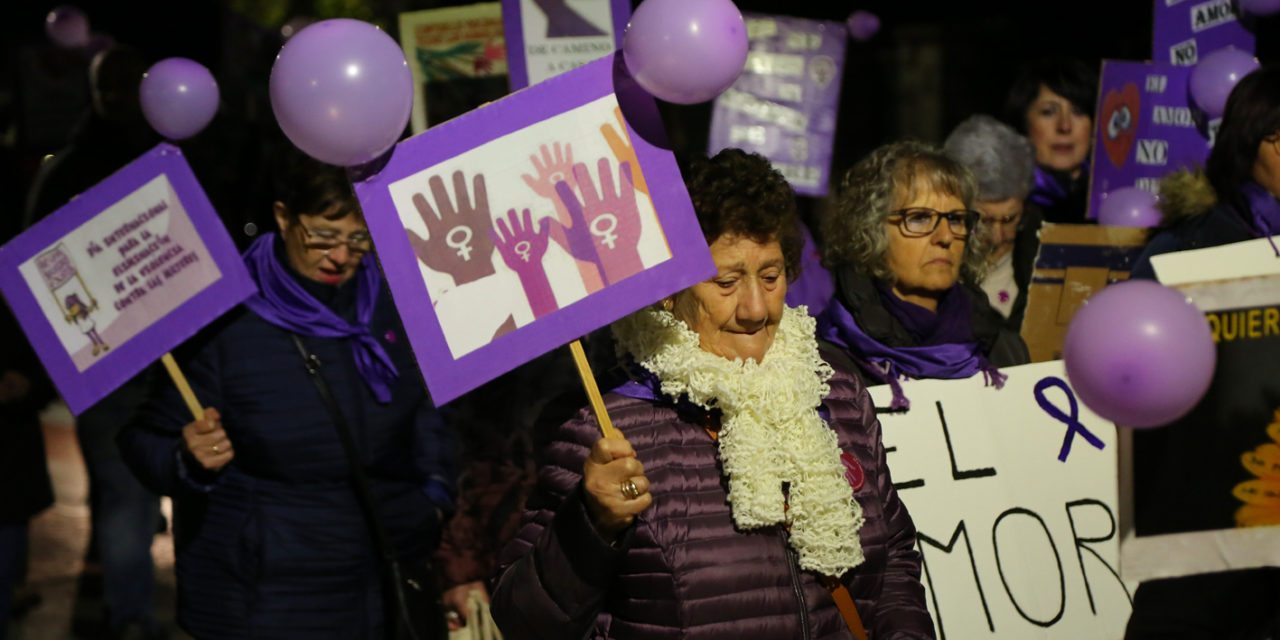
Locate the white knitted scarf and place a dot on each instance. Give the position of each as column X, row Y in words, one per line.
column 771, row 433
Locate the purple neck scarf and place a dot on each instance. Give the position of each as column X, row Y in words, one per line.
column 283, row 302
column 949, row 325
column 948, row 361
column 1265, row 211
column 1048, row 190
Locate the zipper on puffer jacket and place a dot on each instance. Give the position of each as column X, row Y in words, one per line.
column 793, row 564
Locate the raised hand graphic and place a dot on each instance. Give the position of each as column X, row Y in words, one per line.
column 457, row 241
column 611, row 216
column 522, row 248
column 623, row 150
column 571, row 235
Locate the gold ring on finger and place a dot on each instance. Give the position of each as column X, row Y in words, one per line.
column 215, row 448
column 629, row 490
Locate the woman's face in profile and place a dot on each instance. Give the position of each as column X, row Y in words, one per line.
column 736, row 313
column 1060, row 131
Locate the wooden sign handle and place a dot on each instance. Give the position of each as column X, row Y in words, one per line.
column 184, row 388
column 593, row 392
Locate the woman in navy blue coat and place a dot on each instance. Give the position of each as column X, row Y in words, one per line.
column 271, row 541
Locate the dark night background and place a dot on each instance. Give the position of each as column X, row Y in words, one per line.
column 933, row 64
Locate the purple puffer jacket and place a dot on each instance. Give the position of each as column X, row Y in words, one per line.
column 683, row 571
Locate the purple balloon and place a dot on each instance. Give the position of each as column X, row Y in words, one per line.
column 1129, row 207
column 685, row 51
column 342, row 92
column 179, row 97
column 862, row 25
column 1260, row 7
column 67, row 26
column 1139, row 354
column 1216, row 75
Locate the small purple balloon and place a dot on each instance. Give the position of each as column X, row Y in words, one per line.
column 1260, row 7
column 1129, row 207
column 179, row 97
column 341, row 91
column 67, row 26
column 685, row 51
column 1216, row 75
column 862, row 25
column 1139, row 354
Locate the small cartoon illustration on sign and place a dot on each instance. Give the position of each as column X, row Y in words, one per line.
column 65, row 284
column 78, row 312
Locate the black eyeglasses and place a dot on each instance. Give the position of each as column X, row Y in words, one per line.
column 922, row 221
column 329, row 239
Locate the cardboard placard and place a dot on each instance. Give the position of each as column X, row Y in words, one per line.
column 1015, row 505
column 122, row 274
column 1074, row 262
column 530, row 222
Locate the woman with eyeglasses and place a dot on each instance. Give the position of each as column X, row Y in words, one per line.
column 1002, row 163
column 901, row 242
column 272, row 539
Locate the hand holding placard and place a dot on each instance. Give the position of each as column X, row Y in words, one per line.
column 457, row 240
column 207, row 441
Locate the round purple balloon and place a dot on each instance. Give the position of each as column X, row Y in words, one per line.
column 1260, row 7
column 685, row 51
column 341, row 91
column 179, row 97
column 862, row 25
column 1216, row 75
column 1139, row 354
column 67, row 26
column 1129, row 207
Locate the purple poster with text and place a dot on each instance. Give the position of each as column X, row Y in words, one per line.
column 120, row 275
column 1145, row 130
column 525, row 224
column 1184, row 31
column 784, row 104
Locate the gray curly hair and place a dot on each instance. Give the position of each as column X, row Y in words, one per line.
column 1000, row 158
column 893, row 175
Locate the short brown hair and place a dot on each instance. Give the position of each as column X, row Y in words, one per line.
column 740, row 193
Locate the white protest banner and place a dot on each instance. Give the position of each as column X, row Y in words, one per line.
column 1013, row 493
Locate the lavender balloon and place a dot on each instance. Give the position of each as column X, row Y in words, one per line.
column 179, row 97
column 685, row 51
column 68, row 27
column 1216, row 75
column 1139, row 354
column 1260, row 7
column 862, row 25
column 341, row 91
column 1129, row 207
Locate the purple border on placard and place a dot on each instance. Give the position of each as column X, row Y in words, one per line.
column 513, row 34
column 689, row 264
column 82, row 389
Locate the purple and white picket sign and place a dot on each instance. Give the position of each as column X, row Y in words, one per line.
column 548, row 37
column 529, row 222
column 1184, row 31
column 1144, row 129
column 784, row 104
column 122, row 274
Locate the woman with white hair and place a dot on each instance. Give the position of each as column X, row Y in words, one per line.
column 1003, row 163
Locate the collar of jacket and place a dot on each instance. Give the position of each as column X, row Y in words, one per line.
column 857, row 291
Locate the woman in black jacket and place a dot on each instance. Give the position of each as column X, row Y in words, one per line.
column 902, row 245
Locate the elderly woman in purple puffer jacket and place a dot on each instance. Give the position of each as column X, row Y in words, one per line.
column 750, row 498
